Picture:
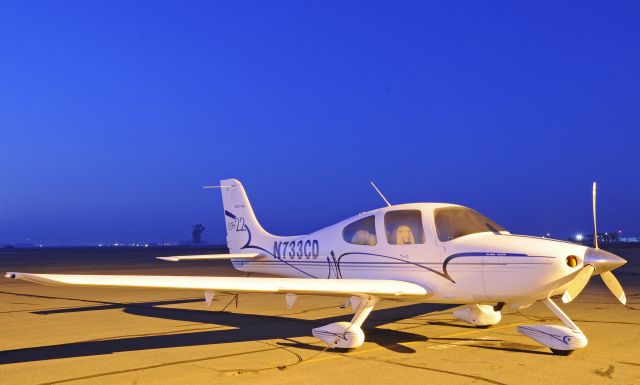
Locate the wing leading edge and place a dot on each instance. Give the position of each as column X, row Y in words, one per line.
column 382, row 288
column 210, row 257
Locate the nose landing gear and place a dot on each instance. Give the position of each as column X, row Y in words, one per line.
column 560, row 339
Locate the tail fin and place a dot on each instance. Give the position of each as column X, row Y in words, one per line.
column 243, row 228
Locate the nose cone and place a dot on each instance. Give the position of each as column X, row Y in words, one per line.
column 602, row 260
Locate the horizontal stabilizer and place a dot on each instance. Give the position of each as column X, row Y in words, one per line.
column 339, row 287
column 210, row 257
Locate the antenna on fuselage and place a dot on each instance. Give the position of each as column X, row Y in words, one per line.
column 381, row 195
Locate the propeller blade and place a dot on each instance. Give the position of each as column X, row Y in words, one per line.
column 578, row 283
column 614, row 285
column 595, row 227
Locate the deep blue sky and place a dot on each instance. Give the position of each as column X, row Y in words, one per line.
column 114, row 114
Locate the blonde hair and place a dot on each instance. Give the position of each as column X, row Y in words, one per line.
column 363, row 237
column 404, row 235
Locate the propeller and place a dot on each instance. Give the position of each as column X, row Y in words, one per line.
column 578, row 283
column 614, row 285
column 596, row 262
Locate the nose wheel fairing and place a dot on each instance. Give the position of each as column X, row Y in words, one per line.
column 562, row 340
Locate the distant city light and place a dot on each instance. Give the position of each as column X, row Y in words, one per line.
column 579, row 237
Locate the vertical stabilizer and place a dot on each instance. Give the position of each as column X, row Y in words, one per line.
column 242, row 226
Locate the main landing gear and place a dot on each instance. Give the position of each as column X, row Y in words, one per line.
column 560, row 339
column 481, row 316
column 347, row 335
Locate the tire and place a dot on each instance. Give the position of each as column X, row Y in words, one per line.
column 558, row 352
column 342, row 350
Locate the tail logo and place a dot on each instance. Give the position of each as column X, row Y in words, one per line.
column 237, row 223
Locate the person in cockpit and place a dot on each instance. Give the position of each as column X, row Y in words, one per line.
column 363, row 237
column 404, row 235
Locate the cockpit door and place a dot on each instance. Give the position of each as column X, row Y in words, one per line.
column 463, row 262
column 407, row 240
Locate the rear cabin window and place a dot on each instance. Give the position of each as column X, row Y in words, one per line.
column 404, row 227
column 456, row 222
column 361, row 232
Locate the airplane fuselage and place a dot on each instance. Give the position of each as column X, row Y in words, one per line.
column 483, row 267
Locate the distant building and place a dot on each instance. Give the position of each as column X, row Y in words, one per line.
column 603, row 238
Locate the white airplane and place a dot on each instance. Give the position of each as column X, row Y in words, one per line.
column 430, row 252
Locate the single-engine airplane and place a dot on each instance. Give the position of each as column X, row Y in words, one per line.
column 430, row 252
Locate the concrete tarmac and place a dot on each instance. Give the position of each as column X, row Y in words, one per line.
column 66, row 335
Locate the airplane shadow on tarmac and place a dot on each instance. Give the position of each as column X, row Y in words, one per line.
column 245, row 327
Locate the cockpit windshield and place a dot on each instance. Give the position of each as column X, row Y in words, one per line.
column 454, row 222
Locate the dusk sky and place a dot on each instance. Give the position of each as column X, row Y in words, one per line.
column 114, row 114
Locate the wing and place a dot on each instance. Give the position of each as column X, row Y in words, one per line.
column 382, row 288
column 178, row 258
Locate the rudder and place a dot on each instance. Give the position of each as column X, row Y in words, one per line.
column 242, row 225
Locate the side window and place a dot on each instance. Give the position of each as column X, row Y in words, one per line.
column 404, row 227
column 361, row 232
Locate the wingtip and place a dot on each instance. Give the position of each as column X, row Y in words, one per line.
column 169, row 259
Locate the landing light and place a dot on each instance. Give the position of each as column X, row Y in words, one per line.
column 579, row 237
column 572, row 261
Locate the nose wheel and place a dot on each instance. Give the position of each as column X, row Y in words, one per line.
column 561, row 340
column 562, row 352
